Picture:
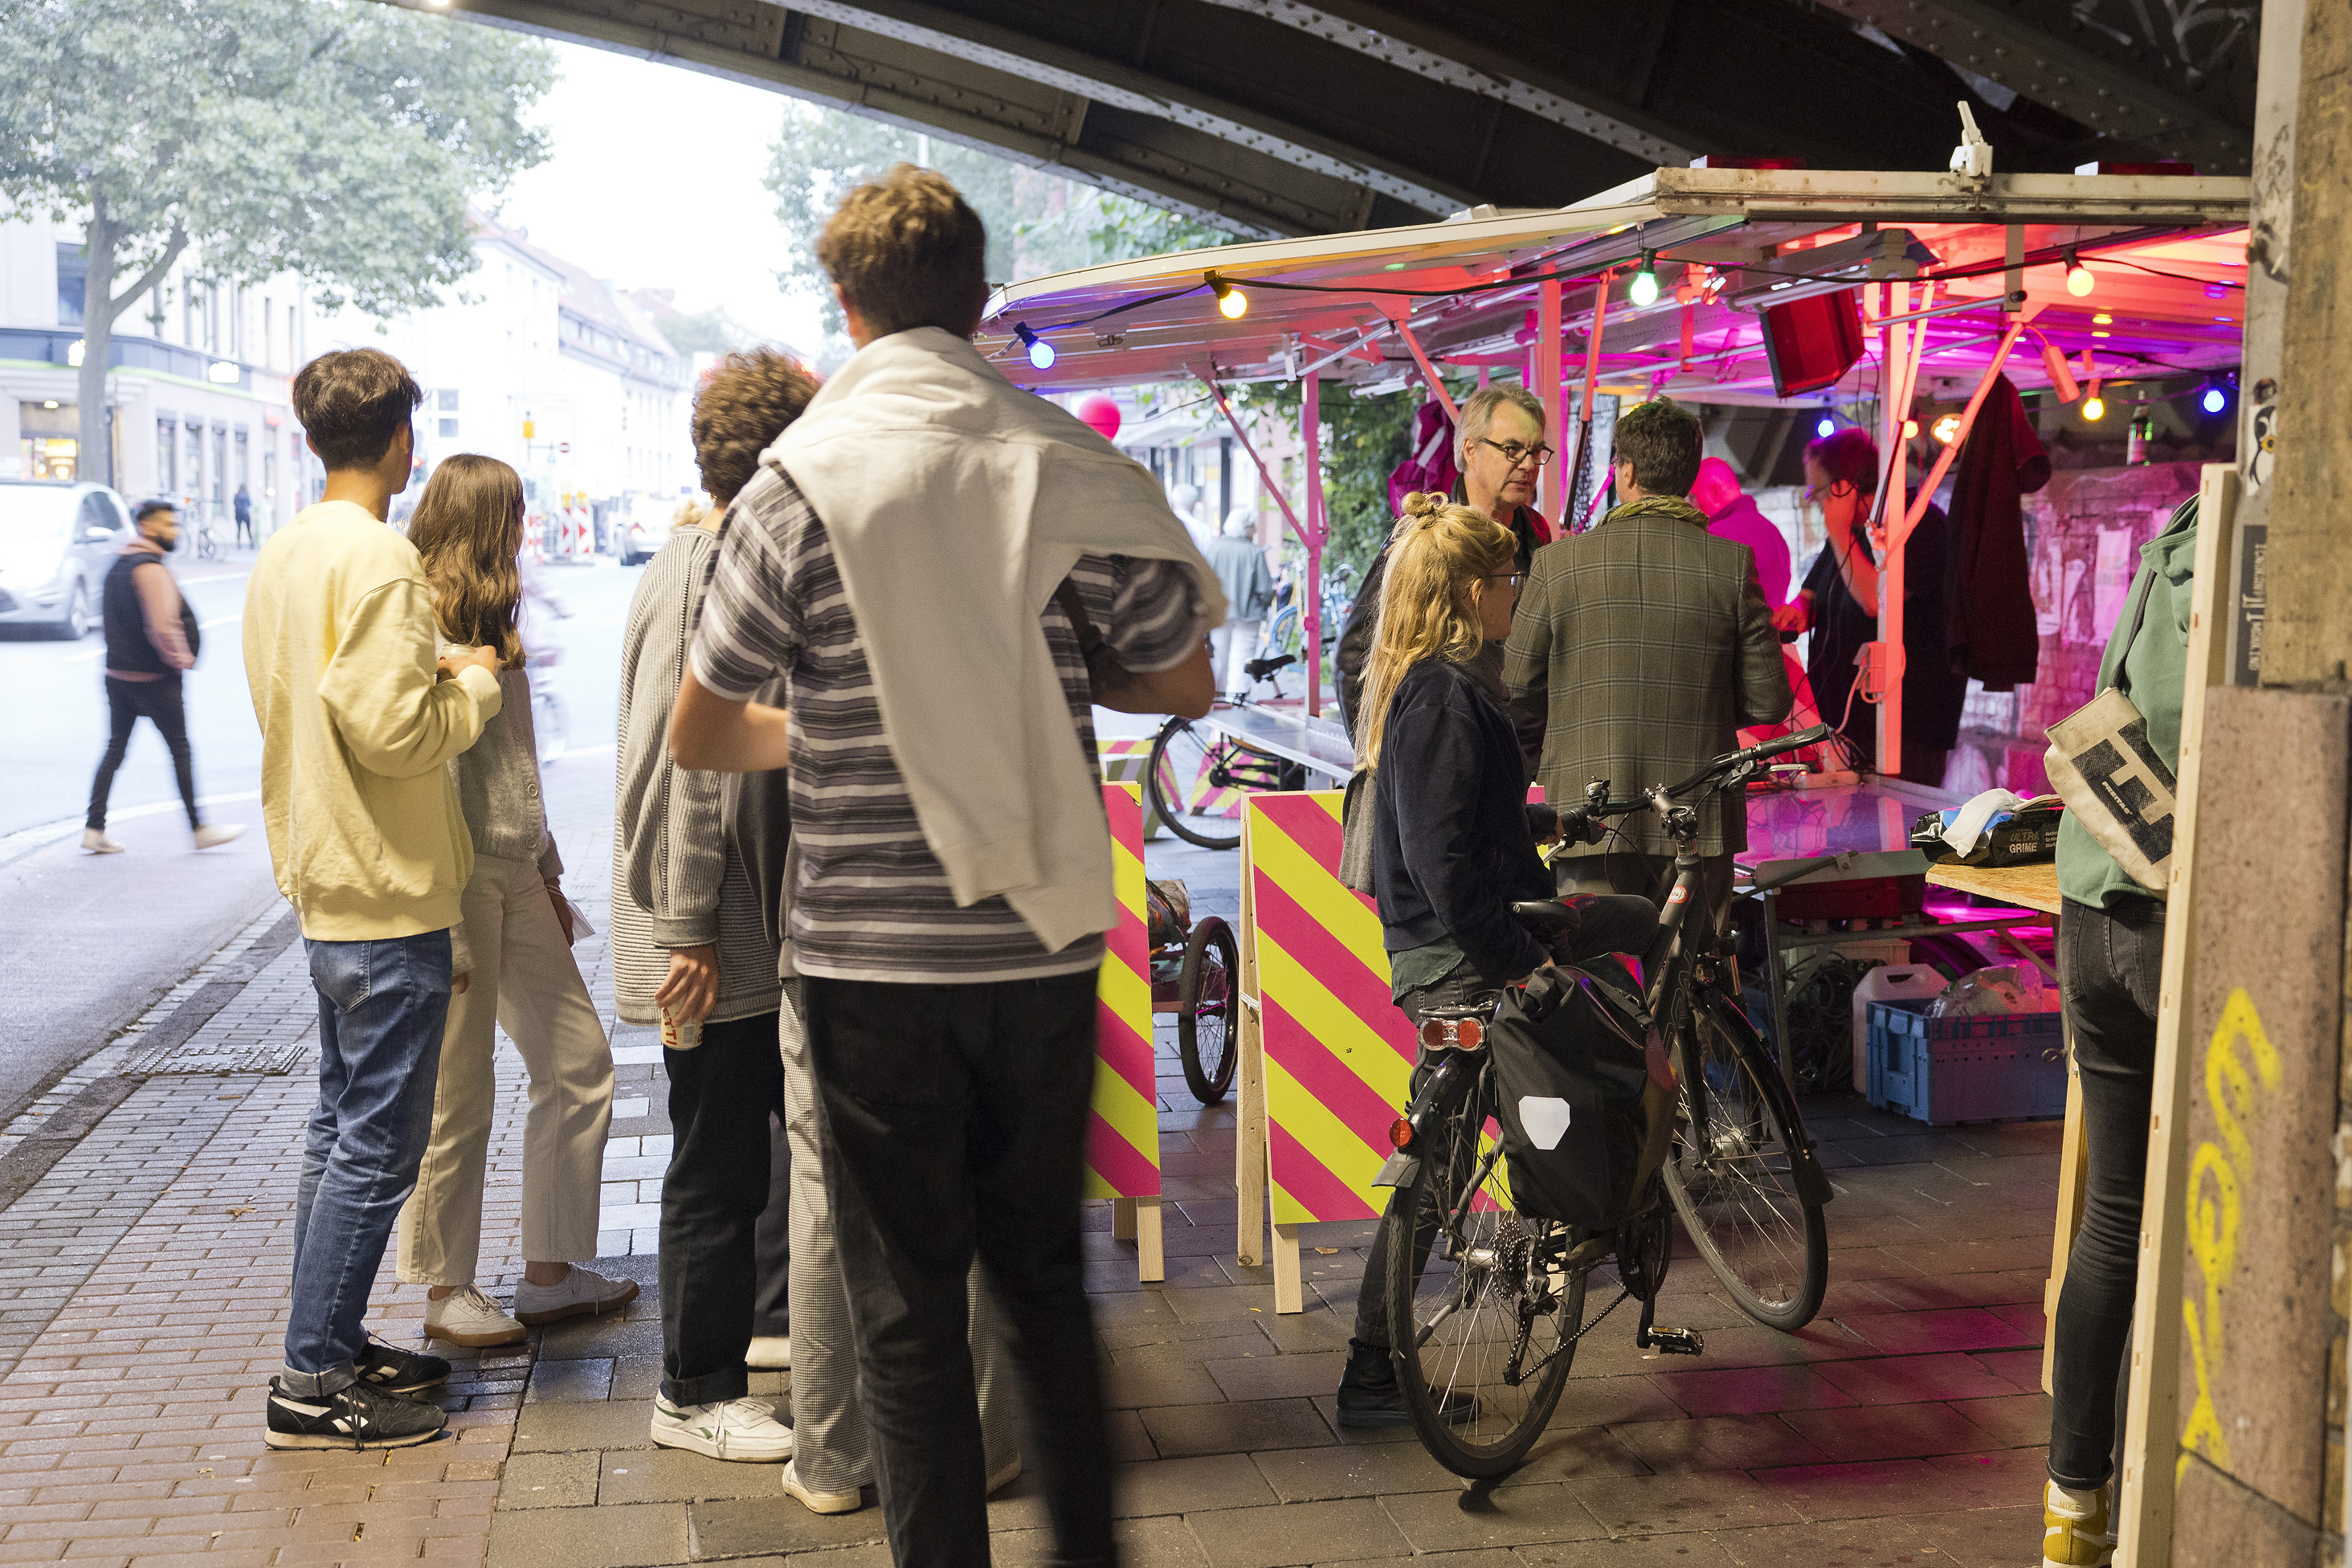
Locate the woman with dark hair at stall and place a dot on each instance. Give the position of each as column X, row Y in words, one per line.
column 1839, row 604
column 468, row 530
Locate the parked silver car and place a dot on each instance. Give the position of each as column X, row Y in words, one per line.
column 56, row 542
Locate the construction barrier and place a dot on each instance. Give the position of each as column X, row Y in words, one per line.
column 1326, row 1056
column 1123, row 759
column 1123, row 1140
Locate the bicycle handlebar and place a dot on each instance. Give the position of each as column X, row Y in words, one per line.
column 1583, row 822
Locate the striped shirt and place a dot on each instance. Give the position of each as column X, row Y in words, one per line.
column 872, row 901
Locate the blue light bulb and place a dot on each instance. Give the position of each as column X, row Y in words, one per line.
column 1826, row 428
column 1041, row 353
column 2215, row 400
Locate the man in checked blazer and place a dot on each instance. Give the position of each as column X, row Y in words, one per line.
column 1638, row 651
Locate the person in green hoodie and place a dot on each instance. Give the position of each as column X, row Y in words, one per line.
column 2110, row 962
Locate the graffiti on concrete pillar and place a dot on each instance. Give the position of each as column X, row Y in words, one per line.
column 2218, row 1174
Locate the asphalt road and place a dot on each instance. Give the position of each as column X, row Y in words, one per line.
column 92, row 941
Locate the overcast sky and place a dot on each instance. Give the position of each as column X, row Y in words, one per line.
column 654, row 184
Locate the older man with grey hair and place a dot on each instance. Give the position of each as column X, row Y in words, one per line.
column 1501, row 452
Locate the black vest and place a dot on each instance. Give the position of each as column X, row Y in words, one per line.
column 127, row 648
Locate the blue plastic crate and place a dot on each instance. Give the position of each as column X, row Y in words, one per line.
column 1991, row 1068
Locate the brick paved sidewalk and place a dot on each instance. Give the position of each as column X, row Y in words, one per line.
column 143, row 1276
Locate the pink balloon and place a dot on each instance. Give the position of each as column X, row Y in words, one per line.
column 1101, row 414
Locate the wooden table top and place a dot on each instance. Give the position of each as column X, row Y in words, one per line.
column 2032, row 886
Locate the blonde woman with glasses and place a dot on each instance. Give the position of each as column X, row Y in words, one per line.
column 468, row 530
column 1453, row 840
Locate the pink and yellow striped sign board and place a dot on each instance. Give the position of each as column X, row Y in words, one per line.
column 1123, row 1139
column 1338, row 1055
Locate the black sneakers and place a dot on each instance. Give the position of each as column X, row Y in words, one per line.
column 358, row 1415
column 396, row 1371
column 1369, row 1394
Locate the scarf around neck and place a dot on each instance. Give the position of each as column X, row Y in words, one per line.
column 1658, row 506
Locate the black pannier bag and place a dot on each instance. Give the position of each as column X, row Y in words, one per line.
column 1584, row 1124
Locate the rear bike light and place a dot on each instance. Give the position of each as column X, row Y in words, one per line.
column 1451, row 1033
column 1401, row 1133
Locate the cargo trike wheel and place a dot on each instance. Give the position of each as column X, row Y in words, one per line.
column 1205, row 1011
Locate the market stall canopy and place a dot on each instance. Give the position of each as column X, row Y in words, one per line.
column 2164, row 254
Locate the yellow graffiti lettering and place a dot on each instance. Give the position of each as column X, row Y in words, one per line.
column 2212, row 1218
column 2204, row 1423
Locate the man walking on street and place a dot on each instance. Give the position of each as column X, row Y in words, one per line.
column 948, row 571
column 1240, row 566
column 151, row 638
column 370, row 847
column 244, row 506
column 1638, row 651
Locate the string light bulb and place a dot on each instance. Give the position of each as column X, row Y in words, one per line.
column 2095, row 407
column 1041, row 353
column 1947, row 429
column 2079, row 281
column 1231, row 303
column 2217, row 396
column 1910, row 428
column 1645, row 288
column 1826, row 428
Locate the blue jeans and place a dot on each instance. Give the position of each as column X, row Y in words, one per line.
column 381, row 1006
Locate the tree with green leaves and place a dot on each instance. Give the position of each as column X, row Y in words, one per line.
column 336, row 140
column 1363, row 439
column 1039, row 223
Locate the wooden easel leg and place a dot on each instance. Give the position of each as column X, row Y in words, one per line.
column 2074, row 1172
column 1150, row 1264
column 1289, row 1295
column 1249, row 1144
column 1122, row 1219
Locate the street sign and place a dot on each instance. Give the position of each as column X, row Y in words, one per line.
column 564, row 448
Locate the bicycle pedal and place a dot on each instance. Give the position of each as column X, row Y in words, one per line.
column 1673, row 1341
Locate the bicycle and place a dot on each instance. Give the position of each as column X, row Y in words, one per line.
column 1184, row 761
column 1486, row 1303
column 207, row 542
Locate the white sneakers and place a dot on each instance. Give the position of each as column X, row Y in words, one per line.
column 580, row 1290
column 768, row 1352
column 466, row 1317
column 95, row 841
column 745, row 1430
column 849, row 1502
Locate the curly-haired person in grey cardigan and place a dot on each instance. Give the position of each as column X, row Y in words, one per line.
column 690, row 938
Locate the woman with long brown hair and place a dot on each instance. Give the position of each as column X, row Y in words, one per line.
column 468, row 530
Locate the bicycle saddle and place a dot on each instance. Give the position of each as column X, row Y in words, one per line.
column 1259, row 668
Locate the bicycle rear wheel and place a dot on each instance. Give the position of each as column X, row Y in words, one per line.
column 1736, row 1183
column 1206, row 1039
column 1179, row 756
column 1483, row 1323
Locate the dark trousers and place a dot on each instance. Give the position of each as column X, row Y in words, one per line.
column 714, row 1198
column 772, row 1315
column 158, row 702
column 955, row 1120
column 2109, row 964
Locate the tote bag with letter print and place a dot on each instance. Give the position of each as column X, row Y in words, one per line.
column 2113, row 784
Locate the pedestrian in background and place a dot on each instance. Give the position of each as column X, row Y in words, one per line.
column 468, row 529
column 244, row 507
column 910, row 548
column 693, row 953
column 1241, row 569
column 370, row 847
column 151, row 638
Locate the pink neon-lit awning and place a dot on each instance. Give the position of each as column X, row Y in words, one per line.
column 2167, row 255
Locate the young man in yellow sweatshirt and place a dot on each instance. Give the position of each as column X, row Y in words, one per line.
column 358, row 717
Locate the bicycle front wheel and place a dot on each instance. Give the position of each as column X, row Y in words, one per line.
column 1180, row 760
column 1483, row 1322
column 1735, row 1182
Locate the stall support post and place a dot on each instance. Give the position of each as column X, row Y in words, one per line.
column 1892, row 343
column 1253, row 1176
column 1545, row 382
column 1402, row 318
column 1310, row 435
column 1584, row 409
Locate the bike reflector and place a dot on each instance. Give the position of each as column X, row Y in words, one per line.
column 1401, row 1133
column 1452, row 1034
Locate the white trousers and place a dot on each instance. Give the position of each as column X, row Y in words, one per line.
column 830, row 1447
column 1232, row 646
column 525, row 980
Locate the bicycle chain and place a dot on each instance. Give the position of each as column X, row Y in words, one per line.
column 1569, row 1344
